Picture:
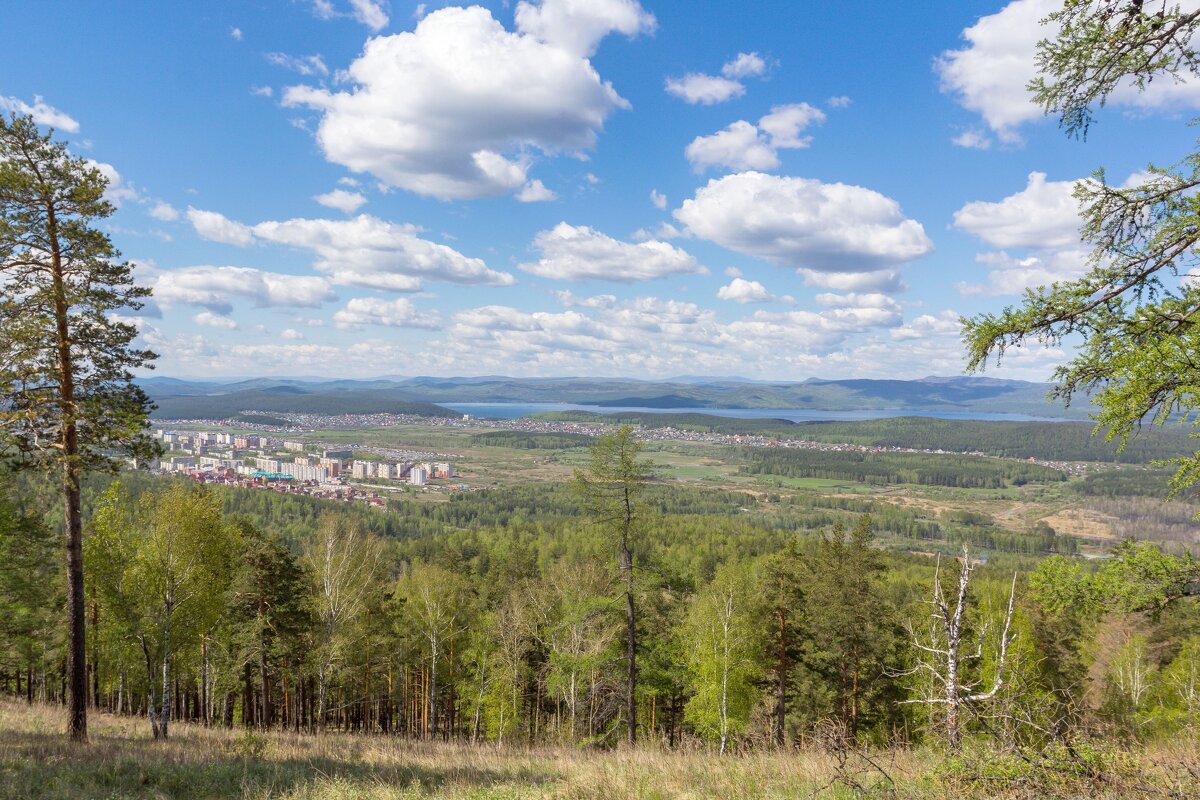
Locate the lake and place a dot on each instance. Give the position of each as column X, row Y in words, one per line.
column 515, row 410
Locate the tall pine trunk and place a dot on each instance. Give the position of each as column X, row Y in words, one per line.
column 72, row 511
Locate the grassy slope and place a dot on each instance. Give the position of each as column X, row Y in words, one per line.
column 36, row 763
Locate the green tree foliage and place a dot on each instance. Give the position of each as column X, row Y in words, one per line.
column 724, row 654
column 612, row 489
column 160, row 568
column 436, row 605
column 970, row 472
column 65, row 362
column 576, row 625
column 344, row 564
column 268, row 622
column 30, row 595
column 852, row 630
column 782, row 600
column 1134, row 318
column 532, row 441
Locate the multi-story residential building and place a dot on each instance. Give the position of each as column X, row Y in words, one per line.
column 307, row 472
column 272, row 465
column 418, row 475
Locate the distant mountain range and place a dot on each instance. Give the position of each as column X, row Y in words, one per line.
column 420, row 395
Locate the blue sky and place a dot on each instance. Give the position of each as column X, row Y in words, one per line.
column 575, row 187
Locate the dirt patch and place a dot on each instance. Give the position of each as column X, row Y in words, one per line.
column 1083, row 523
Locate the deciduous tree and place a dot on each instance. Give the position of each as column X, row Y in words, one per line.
column 723, row 650
column 161, row 566
column 344, row 564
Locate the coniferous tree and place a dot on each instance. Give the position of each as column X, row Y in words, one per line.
column 65, row 361
column 1134, row 311
column 269, row 616
column 612, row 488
column 781, row 614
column 852, row 629
column 30, row 588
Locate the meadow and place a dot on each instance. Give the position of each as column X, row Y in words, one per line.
column 122, row 761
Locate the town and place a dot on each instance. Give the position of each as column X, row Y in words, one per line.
column 265, row 462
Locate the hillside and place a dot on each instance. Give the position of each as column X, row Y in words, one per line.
column 962, row 394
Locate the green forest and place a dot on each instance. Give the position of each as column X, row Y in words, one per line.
column 500, row 616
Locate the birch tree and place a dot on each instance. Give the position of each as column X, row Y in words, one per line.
column 66, row 361
column 950, row 647
column 576, row 626
column 344, row 563
column 161, row 566
column 436, row 604
column 721, row 640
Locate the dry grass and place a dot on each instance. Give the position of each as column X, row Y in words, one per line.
column 123, row 762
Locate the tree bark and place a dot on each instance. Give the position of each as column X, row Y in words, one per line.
column 76, row 676
column 631, row 642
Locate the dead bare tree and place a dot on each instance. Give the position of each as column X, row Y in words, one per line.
column 944, row 656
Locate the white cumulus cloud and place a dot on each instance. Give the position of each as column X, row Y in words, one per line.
column 743, row 146
column 740, row 290
column 218, row 228
column 535, row 192
column 570, row 252
column 342, row 200
column 990, row 73
column 397, row 313
column 369, row 13
column 42, row 112
column 364, row 251
column 211, row 320
column 699, row 88
column 215, row 288
column 164, row 211
column 458, row 107
column 744, row 65
column 804, row 223
column 578, row 25
column 1043, row 214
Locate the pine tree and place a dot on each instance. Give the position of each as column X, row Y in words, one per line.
column 781, row 615
column 269, row 614
column 65, row 361
column 851, row 625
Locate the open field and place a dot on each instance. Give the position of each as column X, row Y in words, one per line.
column 490, row 463
column 122, row 761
